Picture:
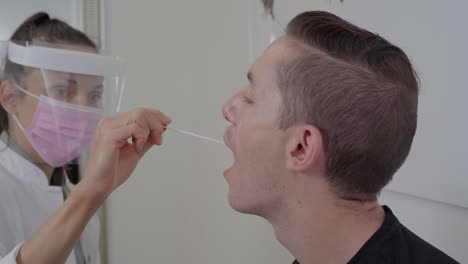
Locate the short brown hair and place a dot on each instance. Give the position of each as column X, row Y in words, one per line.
column 359, row 90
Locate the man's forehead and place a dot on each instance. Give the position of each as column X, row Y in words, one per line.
column 279, row 48
column 287, row 48
column 262, row 75
column 278, row 52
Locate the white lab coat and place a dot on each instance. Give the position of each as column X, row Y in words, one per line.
column 26, row 202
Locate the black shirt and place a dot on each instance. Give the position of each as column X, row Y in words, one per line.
column 393, row 243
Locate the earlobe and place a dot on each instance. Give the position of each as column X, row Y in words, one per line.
column 305, row 149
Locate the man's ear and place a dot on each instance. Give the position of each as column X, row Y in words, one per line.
column 304, row 148
column 8, row 96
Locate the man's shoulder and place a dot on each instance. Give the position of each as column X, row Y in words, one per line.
column 407, row 247
column 398, row 244
column 393, row 243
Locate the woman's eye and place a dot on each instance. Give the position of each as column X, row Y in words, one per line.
column 95, row 99
column 60, row 92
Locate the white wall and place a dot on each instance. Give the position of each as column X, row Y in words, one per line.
column 12, row 14
column 186, row 57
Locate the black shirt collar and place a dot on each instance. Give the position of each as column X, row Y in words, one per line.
column 389, row 223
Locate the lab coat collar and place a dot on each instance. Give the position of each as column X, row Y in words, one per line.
column 20, row 167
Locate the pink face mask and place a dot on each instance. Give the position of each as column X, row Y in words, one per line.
column 60, row 131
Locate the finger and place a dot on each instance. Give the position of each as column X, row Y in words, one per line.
column 139, row 136
column 148, row 119
column 150, row 144
column 122, row 119
column 133, row 116
column 139, row 143
column 155, row 121
column 161, row 116
column 151, row 120
column 120, row 136
column 140, row 117
column 113, row 122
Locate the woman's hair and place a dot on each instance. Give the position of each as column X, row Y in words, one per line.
column 39, row 28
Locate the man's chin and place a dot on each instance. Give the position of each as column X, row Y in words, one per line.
column 243, row 206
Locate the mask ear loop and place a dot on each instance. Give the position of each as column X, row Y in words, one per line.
column 14, row 115
column 27, row 92
column 45, row 80
column 18, row 122
column 3, row 58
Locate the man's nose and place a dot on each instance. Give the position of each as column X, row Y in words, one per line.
column 229, row 109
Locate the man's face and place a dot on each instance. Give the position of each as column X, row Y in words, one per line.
column 258, row 145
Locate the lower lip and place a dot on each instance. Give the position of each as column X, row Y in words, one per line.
column 225, row 139
column 226, row 172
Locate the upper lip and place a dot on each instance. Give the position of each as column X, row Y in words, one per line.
column 225, row 137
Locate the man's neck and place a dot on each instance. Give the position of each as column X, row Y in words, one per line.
column 324, row 230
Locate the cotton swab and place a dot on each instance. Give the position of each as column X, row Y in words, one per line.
column 194, row 135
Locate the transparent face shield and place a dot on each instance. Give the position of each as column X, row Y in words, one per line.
column 63, row 92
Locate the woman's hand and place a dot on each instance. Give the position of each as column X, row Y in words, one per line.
column 120, row 142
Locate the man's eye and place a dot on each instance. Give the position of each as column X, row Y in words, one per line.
column 247, row 100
